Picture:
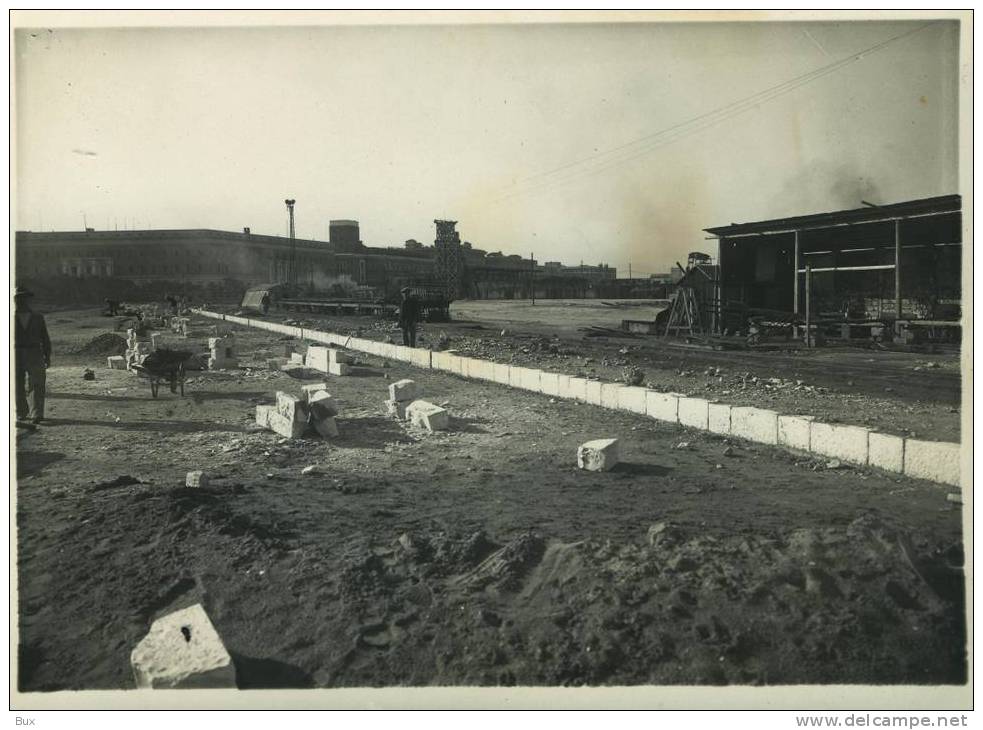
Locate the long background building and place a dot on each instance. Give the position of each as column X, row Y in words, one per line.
column 91, row 264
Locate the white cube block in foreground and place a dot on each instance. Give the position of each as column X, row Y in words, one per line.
column 183, row 651
column 599, row 455
column 427, row 415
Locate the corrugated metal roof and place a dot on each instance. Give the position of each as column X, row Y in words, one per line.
column 911, row 208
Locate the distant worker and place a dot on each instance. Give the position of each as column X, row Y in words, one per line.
column 265, row 303
column 172, row 302
column 409, row 315
column 113, row 307
column 32, row 356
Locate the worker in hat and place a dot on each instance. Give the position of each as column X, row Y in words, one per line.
column 409, row 315
column 32, row 356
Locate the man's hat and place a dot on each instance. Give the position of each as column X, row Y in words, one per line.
column 22, row 291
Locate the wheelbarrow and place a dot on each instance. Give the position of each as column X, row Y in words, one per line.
column 173, row 375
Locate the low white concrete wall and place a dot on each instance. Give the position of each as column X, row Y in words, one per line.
column 933, row 460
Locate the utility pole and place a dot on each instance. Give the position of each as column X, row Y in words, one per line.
column 293, row 242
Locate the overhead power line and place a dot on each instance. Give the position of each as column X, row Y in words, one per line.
column 598, row 162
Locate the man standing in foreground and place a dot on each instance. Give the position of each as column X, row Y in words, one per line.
column 409, row 315
column 32, row 356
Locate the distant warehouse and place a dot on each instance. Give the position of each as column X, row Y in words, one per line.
column 888, row 262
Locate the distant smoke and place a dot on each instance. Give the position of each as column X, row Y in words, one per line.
column 337, row 286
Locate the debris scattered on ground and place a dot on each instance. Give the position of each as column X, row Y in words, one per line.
column 88, row 374
column 104, row 344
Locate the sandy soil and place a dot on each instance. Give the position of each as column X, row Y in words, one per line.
column 480, row 555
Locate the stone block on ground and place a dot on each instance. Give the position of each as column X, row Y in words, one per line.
column 610, row 395
column 420, row 358
column 339, row 369
column 337, row 357
column 793, row 431
column 516, row 375
column 530, row 379
column 196, row 479
column 183, row 650
column 718, row 418
column 754, row 424
column 598, row 455
column 502, row 374
column 405, row 390
column 549, row 384
column 427, row 415
column 662, row 406
column 694, row 413
column 935, row 460
column 593, row 392
column 306, row 391
column 885, row 451
column 848, row 443
column 577, row 389
column 290, row 406
column 284, row 426
column 482, row 370
column 263, row 415
column 322, row 405
column 632, row 398
column 297, row 357
column 317, row 358
column 116, row 362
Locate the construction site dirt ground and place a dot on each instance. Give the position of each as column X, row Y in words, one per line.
column 480, row 555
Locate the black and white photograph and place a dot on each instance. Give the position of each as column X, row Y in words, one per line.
column 506, row 352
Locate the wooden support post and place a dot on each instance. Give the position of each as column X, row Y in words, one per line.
column 808, row 337
column 897, row 270
column 795, row 281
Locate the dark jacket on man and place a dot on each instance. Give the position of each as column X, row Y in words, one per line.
column 33, row 335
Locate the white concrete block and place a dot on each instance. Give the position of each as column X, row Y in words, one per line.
column 317, row 358
column 718, row 418
column 549, row 384
column 306, row 391
column 297, row 357
column 483, row 370
column 284, row 426
column 263, row 415
column 848, row 443
column 216, row 364
column 793, row 431
column 662, row 406
column 196, row 479
column 633, row 398
column 398, row 352
column 516, row 376
column 577, row 388
column 935, row 460
column 610, row 395
column 599, row 455
column 754, row 424
column 290, row 406
column 321, row 405
column 594, row 388
column 337, row 368
column 885, row 451
column 563, row 386
column 427, row 415
column 116, row 362
column 530, row 379
column 694, row 413
column 183, row 651
column 420, row 358
column 326, row 427
column 502, row 374
column 441, row 361
column 405, row 390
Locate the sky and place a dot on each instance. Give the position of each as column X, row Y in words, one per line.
column 610, row 143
